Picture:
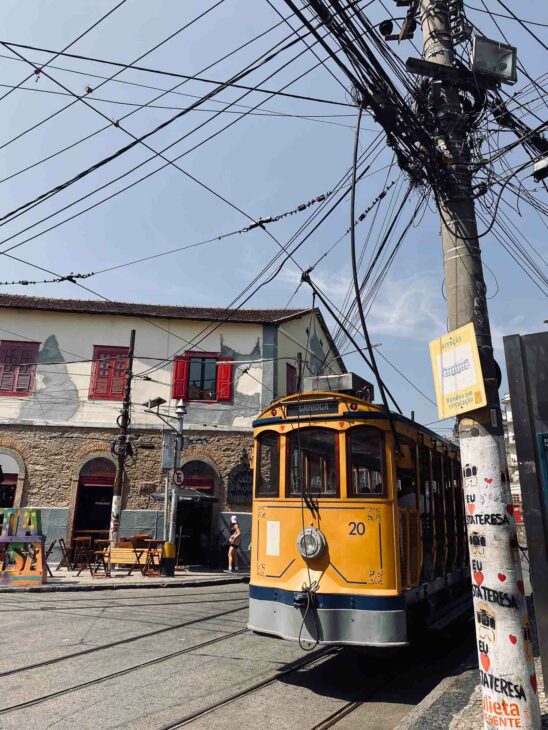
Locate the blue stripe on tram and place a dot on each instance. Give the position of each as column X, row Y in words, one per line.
column 331, row 600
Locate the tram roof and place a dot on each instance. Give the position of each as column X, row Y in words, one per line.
column 376, row 412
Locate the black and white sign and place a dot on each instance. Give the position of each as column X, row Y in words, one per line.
column 178, row 477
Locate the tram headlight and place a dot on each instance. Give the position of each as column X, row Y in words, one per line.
column 311, row 543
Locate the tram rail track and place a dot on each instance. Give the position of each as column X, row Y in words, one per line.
column 120, row 673
column 50, row 609
column 250, row 689
column 120, row 642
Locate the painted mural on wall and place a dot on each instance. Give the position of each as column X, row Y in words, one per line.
column 22, row 555
column 240, row 482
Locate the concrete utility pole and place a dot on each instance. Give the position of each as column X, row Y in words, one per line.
column 506, row 664
column 121, row 449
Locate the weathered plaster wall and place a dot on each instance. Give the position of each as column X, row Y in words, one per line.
column 293, row 337
column 66, row 348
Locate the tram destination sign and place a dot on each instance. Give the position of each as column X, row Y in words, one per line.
column 312, row 408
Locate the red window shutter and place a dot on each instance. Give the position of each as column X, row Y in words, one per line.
column 108, row 377
column 118, row 367
column 224, row 379
column 17, row 367
column 179, row 387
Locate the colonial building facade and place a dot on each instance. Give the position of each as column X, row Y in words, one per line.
column 62, row 374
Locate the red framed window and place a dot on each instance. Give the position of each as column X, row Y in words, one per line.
column 17, row 367
column 290, row 379
column 202, row 376
column 108, row 376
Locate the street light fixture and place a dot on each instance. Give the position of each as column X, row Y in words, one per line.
column 494, row 59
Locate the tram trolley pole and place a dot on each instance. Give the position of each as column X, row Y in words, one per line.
column 507, row 673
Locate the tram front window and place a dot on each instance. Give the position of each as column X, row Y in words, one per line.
column 313, row 462
column 365, row 450
column 268, row 465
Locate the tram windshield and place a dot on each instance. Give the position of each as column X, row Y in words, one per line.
column 313, row 462
column 268, row 465
column 365, row 449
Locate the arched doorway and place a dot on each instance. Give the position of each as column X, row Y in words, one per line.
column 10, row 478
column 94, row 498
column 195, row 513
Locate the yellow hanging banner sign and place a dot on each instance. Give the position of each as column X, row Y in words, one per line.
column 457, row 372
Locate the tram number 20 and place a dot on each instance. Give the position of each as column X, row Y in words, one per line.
column 356, row 528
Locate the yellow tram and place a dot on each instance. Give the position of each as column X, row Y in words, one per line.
column 358, row 522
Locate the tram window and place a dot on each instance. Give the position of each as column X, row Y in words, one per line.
column 406, row 475
column 268, row 465
column 313, row 462
column 366, row 452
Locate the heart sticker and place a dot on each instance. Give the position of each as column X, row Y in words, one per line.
column 510, row 509
column 478, row 577
column 521, row 587
column 342, row 424
column 485, row 662
column 501, row 577
column 471, row 508
column 282, row 427
column 488, row 481
column 513, row 638
column 533, row 680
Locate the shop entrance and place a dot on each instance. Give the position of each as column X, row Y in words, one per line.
column 9, row 474
column 194, row 515
column 94, row 499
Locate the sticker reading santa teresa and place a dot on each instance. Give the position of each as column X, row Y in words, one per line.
column 457, row 372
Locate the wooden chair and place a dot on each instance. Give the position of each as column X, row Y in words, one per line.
column 65, row 561
column 48, row 553
column 82, row 550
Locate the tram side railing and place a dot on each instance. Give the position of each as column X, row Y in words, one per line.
column 404, row 547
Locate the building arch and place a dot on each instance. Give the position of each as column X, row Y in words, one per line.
column 17, row 457
column 86, row 457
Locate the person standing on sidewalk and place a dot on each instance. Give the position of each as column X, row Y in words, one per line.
column 235, row 540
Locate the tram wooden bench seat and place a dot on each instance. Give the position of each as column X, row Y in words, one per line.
column 130, row 557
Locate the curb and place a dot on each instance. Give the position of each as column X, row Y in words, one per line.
column 193, row 583
column 417, row 713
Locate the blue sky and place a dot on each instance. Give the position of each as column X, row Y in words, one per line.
column 264, row 165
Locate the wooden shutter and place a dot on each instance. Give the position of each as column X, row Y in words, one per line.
column 17, row 367
column 179, row 388
column 118, row 368
column 10, row 361
column 224, row 379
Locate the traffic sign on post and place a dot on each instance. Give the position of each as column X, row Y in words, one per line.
column 178, row 477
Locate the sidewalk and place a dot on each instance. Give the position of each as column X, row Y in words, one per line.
column 67, row 580
column 455, row 704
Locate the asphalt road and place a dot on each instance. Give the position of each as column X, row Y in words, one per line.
column 151, row 659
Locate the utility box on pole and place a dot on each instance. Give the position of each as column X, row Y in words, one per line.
column 527, row 366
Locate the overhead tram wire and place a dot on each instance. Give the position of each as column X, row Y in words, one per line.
column 124, row 175
column 267, row 113
column 59, row 53
column 39, row 70
column 509, row 17
column 192, row 344
column 121, row 151
column 192, row 177
column 256, row 283
column 523, row 25
column 173, row 74
column 355, row 279
column 164, row 92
